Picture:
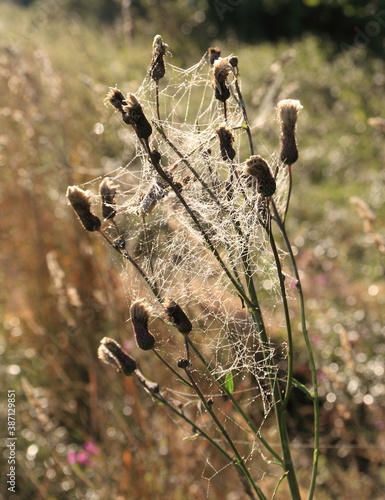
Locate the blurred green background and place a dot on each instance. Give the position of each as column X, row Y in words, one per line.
column 83, row 432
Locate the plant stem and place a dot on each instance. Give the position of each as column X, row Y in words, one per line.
column 223, row 388
column 240, row 461
column 167, row 364
column 153, row 389
column 157, row 99
column 288, row 193
column 280, row 414
column 123, row 252
column 309, row 350
column 147, row 243
column 241, row 103
column 290, row 354
column 207, row 239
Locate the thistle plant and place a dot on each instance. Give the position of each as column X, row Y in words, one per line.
column 200, row 221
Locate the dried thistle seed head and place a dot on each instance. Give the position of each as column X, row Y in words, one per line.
column 116, row 98
column 287, row 111
column 176, row 315
column 233, row 61
column 111, row 353
column 81, row 203
column 222, row 69
column 140, row 315
column 133, row 115
column 107, row 193
column 214, row 53
column 159, row 50
column 226, row 141
column 257, row 167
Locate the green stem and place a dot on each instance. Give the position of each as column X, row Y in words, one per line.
column 280, row 415
column 123, row 252
column 157, row 99
column 159, row 397
column 240, row 462
column 288, row 193
column 241, row 103
column 309, row 350
column 167, row 364
column 290, row 355
column 223, row 388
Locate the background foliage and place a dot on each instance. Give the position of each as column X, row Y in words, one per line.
column 61, row 291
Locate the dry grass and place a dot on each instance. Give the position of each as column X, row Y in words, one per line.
column 61, row 291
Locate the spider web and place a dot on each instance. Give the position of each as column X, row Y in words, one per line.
column 172, row 251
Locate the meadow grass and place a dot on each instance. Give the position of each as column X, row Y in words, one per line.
column 62, row 293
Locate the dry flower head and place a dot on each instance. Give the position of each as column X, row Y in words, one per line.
column 222, row 69
column 133, row 115
column 257, row 167
column 177, row 316
column 287, row 111
column 214, row 53
column 107, row 192
column 140, row 314
column 226, row 141
column 159, row 50
column 111, row 353
column 81, row 203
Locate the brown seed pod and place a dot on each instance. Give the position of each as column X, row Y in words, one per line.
column 159, row 50
column 81, row 203
column 140, row 315
column 287, row 111
column 176, row 315
column 107, row 192
column 214, row 53
column 133, row 115
column 257, row 167
column 226, row 141
column 110, row 352
column 116, row 98
column 222, row 69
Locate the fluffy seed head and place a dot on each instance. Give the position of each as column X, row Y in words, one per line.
column 116, row 98
column 107, row 193
column 159, row 50
column 233, row 61
column 81, row 203
column 214, row 53
column 133, row 115
column 287, row 111
column 176, row 315
column 140, row 315
column 111, row 353
column 222, row 69
column 257, row 167
column 226, row 141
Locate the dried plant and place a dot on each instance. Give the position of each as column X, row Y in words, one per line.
column 205, row 232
